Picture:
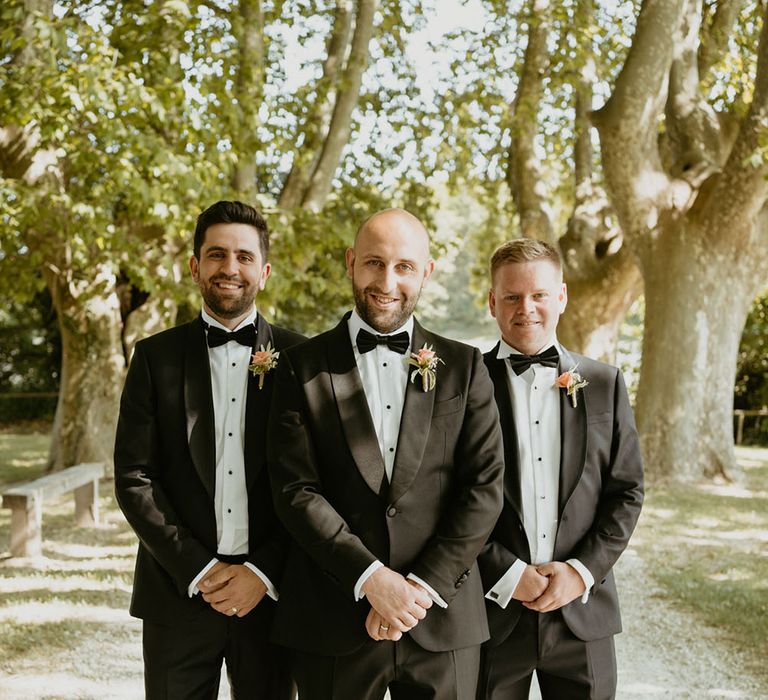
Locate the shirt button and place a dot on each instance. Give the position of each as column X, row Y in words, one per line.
column 230, row 434
column 537, row 422
column 388, row 406
column 535, row 387
column 385, row 364
column 234, row 364
column 229, row 510
column 230, row 472
column 391, row 449
column 233, row 398
column 539, row 458
column 391, row 511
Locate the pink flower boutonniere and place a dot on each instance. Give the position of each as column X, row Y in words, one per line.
column 425, row 361
column 263, row 360
column 571, row 381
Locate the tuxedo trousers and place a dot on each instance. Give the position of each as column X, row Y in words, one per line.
column 567, row 668
column 406, row 669
column 183, row 660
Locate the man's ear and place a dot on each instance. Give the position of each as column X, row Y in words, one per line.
column 349, row 257
column 194, row 268
column 264, row 275
column 428, row 270
column 492, row 302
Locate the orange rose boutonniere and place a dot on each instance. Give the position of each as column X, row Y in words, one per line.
column 263, row 360
column 571, row 381
column 425, row 361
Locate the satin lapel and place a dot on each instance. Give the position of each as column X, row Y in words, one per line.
column 257, row 409
column 498, row 372
column 198, row 402
column 573, row 436
column 353, row 408
column 415, row 423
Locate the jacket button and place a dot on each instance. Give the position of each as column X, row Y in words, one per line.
column 391, row 511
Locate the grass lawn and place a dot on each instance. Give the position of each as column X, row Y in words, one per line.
column 78, row 590
column 707, row 546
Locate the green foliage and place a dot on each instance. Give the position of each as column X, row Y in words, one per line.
column 30, row 357
column 751, row 391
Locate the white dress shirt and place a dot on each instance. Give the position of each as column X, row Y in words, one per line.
column 536, row 411
column 384, row 374
column 229, row 382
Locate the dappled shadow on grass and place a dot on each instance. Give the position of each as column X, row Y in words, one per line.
column 80, row 596
column 706, row 545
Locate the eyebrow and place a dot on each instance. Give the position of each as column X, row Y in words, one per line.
column 216, row 248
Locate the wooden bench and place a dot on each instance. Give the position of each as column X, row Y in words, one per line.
column 26, row 504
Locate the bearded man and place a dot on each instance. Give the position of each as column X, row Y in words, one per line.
column 386, row 465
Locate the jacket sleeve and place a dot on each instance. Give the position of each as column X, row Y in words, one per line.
column 138, row 484
column 297, row 489
column 621, row 494
column 478, row 464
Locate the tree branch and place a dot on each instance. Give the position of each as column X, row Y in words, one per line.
column 315, row 125
column 638, row 97
column 524, row 169
column 691, row 141
column 714, row 36
column 346, row 101
column 249, row 90
column 738, row 195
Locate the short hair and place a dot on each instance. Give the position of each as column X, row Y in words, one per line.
column 523, row 250
column 225, row 212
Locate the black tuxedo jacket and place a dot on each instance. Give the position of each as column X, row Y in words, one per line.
column 165, row 469
column 600, row 495
column 331, row 492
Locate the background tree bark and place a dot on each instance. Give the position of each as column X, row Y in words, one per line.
column 691, row 204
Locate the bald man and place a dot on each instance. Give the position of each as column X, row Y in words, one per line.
column 386, row 465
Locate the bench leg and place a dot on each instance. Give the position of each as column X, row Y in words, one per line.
column 87, row 504
column 26, row 527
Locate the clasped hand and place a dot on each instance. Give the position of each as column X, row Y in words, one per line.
column 397, row 604
column 232, row 589
column 547, row 587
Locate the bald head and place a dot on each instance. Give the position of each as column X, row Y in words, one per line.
column 388, row 265
column 395, row 218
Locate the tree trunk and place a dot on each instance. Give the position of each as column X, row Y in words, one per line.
column 92, row 368
column 696, row 302
column 598, row 305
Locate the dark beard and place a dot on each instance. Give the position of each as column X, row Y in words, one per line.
column 230, row 307
column 378, row 320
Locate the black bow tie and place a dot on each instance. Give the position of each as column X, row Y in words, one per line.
column 548, row 358
column 398, row 342
column 245, row 336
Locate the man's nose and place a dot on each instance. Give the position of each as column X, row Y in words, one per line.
column 230, row 266
column 526, row 305
column 388, row 279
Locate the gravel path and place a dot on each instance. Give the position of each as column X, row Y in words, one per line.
column 662, row 653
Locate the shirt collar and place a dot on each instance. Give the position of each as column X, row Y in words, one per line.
column 505, row 350
column 356, row 323
column 211, row 321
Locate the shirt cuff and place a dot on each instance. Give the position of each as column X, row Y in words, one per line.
column 432, row 592
column 359, row 595
column 192, row 588
column 271, row 590
column 502, row 592
column 588, row 579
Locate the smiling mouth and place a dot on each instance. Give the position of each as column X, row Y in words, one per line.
column 383, row 301
column 227, row 286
